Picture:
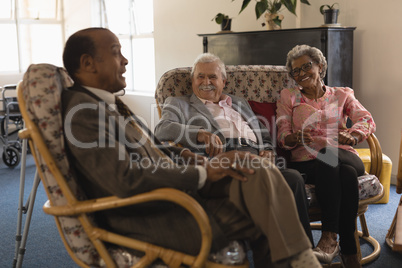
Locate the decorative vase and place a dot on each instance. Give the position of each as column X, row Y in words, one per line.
column 274, row 21
column 226, row 24
column 331, row 16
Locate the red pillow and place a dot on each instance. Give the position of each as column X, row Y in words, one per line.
column 268, row 113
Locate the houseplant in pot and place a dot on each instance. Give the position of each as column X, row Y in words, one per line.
column 271, row 8
column 224, row 20
column 330, row 13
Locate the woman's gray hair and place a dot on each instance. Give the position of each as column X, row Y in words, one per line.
column 207, row 58
column 314, row 53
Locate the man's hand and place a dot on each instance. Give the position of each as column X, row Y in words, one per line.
column 213, row 144
column 269, row 155
column 230, row 164
column 193, row 159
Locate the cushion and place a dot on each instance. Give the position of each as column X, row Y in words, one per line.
column 385, row 176
column 42, row 86
column 266, row 113
column 369, row 186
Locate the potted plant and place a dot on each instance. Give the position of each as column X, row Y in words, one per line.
column 330, row 13
column 224, row 20
column 271, row 8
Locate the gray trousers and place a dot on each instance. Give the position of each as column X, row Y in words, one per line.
column 267, row 207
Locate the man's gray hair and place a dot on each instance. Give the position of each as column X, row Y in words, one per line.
column 207, row 58
column 314, row 53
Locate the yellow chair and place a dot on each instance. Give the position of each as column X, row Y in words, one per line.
column 88, row 245
column 262, row 84
column 386, row 169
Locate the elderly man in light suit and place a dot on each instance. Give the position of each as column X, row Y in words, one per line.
column 102, row 139
column 210, row 122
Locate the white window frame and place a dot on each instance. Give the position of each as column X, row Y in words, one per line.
column 19, row 22
column 134, row 34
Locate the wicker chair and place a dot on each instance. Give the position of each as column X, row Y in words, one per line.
column 88, row 245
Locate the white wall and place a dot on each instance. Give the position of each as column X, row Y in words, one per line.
column 177, row 23
column 12, row 78
column 80, row 14
column 377, row 75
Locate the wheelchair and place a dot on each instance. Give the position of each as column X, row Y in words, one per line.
column 10, row 123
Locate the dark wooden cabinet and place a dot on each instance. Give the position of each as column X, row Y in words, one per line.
column 271, row 47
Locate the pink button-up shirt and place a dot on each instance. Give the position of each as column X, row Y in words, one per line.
column 231, row 123
column 324, row 118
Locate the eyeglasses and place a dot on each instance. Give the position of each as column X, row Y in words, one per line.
column 305, row 67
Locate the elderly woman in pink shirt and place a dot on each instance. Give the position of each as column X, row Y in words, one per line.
column 311, row 123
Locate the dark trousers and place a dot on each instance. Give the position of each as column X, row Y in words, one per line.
column 296, row 184
column 334, row 174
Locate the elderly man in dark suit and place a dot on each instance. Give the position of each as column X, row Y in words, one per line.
column 210, row 122
column 115, row 154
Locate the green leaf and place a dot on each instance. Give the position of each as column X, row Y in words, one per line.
column 277, row 21
column 333, row 6
column 290, row 5
column 219, row 18
column 322, row 8
column 260, row 8
column 244, row 5
column 276, row 7
column 272, row 6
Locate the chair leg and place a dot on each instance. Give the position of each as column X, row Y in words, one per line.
column 357, row 239
column 376, row 249
column 364, row 234
column 389, row 238
column 363, row 224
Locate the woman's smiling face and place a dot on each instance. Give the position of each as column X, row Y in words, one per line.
column 307, row 72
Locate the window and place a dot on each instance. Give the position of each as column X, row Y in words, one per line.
column 132, row 22
column 34, row 33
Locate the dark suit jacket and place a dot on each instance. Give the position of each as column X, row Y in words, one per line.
column 184, row 116
column 108, row 161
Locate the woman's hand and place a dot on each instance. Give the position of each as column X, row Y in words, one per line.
column 346, row 138
column 298, row 138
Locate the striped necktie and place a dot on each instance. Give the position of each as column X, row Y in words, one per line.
column 122, row 108
column 135, row 121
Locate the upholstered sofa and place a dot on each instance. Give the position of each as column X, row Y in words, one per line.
column 261, row 86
